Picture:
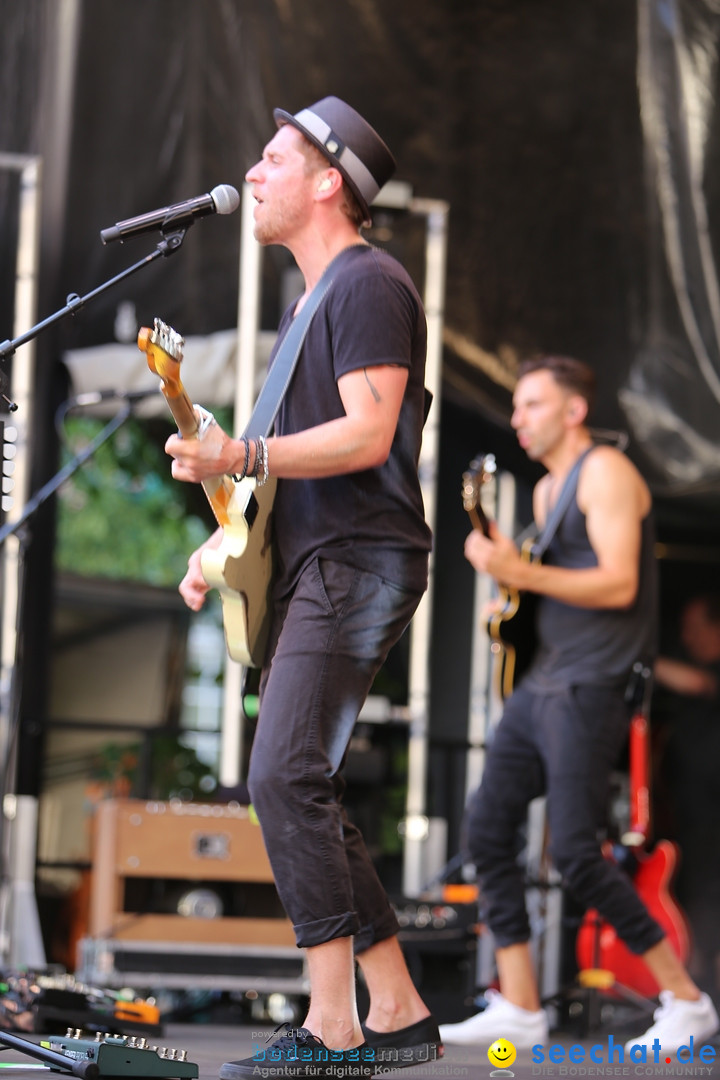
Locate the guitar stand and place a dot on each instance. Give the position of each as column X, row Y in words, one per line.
column 596, row 982
column 582, row 1002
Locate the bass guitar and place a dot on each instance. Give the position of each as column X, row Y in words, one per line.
column 603, row 959
column 511, row 624
column 241, row 568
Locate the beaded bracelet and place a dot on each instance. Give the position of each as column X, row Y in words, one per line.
column 237, row 477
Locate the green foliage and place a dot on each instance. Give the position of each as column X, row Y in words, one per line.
column 178, row 773
column 175, row 771
column 121, row 515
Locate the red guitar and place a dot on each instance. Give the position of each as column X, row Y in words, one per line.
column 604, row 960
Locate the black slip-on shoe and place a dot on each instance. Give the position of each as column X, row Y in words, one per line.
column 411, row 1045
column 297, row 1055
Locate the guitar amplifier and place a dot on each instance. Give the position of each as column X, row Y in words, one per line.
column 183, row 872
column 439, row 942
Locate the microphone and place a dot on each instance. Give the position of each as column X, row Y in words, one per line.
column 223, row 199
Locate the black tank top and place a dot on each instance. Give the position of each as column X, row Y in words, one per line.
column 590, row 645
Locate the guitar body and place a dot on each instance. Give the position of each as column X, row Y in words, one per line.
column 598, row 945
column 511, row 626
column 241, row 567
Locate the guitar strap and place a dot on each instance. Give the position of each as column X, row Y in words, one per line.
column 558, row 511
column 278, row 377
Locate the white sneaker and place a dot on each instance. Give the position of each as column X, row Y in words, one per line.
column 500, row 1020
column 676, row 1021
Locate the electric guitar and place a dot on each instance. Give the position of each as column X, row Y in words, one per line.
column 241, row 568
column 602, row 957
column 511, row 627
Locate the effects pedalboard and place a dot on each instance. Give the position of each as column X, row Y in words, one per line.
column 123, row 1055
column 106, row 1056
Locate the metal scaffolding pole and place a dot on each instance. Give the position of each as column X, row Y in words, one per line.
column 425, row 839
column 20, row 935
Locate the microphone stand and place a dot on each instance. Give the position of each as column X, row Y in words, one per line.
column 27, row 924
column 16, row 888
column 169, row 244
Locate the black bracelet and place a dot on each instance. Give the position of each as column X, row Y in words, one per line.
column 237, row 477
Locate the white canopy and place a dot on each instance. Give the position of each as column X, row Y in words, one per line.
column 209, row 371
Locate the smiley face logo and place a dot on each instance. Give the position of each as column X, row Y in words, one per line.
column 502, row 1053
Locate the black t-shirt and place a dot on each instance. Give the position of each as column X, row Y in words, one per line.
column 373, row 519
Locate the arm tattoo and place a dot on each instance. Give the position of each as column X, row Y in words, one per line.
column 373, row 390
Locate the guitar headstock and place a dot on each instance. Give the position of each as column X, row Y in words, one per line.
column 477, row 479
column 164, row 349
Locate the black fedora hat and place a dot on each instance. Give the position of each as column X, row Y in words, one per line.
column 348, row 142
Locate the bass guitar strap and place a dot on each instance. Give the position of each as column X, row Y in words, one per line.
column 558, row 511
column 278, row 377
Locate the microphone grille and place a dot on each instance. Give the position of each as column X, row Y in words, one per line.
column 226, row 198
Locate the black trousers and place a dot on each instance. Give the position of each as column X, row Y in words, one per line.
column 328, row 641
column 563, row 745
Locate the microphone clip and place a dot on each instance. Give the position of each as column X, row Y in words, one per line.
column 172, row 241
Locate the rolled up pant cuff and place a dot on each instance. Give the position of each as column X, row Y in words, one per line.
column 318, row 932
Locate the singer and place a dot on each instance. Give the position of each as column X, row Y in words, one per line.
column 352, row 549
column 223, row 199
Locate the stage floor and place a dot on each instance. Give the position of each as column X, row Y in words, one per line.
column 209, row 1045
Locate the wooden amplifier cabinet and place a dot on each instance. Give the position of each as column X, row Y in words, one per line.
column 148, row 853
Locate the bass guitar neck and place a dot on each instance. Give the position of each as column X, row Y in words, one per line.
column 638, row 831
column 241, row 567
column 163, row 347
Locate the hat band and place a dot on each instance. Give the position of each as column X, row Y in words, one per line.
column 351, row 163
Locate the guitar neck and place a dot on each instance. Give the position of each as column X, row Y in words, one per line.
column 639, row 827
column 480, row 473
column 479, row 520
column 218, row 489
column 182, row 409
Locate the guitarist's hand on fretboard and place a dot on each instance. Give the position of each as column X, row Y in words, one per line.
column 195, row 460
column 494, row 554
